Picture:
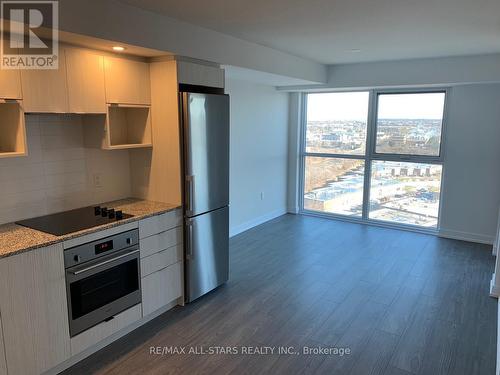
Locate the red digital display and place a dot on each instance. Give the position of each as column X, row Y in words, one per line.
column 103, row 247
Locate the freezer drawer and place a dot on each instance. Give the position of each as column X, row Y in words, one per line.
column 207, row 252
column 205, row 122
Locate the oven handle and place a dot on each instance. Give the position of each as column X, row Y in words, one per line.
column 94, row 266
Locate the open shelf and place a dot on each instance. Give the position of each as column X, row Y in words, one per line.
column 129, row 126
column 124, row 127
column 12, row 129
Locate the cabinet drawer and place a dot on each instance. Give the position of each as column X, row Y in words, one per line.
column 161, row 288
column 159, row 242
column 161, row 260
column 157, row 224
column 105, row 329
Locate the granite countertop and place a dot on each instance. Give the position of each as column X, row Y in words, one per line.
column 15, row 239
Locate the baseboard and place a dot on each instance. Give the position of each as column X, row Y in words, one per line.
column 466, row 236
column 494, row 289
column 254, row 222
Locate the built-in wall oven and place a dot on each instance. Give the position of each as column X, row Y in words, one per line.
column 102, row 279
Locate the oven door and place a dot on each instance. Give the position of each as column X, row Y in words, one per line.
column 98, row 290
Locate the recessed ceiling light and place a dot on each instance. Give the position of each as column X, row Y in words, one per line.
column 355, row 50
column 118, row 48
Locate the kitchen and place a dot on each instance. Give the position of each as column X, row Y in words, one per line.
column 268, row 187
column 106, row 130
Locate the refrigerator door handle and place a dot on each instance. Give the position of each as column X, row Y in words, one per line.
column 190, row 193
column 189, row 247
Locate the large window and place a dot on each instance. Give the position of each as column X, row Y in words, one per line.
column 406, row 193
column 335, row 151
column 334, row 185
column 395, row 155
column 337, row 123
column 410, row 124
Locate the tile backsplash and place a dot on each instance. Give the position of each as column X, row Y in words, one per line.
column 59, row 173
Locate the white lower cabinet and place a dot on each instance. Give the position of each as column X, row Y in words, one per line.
column 160, row 223
column 160, row 260
column 103, row 330
column 159, row 242
column 34, row 327
column 34, row 310
column 161, row 288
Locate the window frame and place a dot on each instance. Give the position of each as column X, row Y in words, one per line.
column 371, row 156
column 406, row 157
column 304, row 154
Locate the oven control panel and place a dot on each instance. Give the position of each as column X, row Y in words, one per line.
column 96, row 249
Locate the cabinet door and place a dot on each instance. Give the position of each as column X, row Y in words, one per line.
column 10, row 84
column 127, row 81
column 45, row 91
column 34, row 310
column 200, row 75
column 161, row 288
column 85, row 71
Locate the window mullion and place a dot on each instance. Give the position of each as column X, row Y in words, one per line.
column 370, row 136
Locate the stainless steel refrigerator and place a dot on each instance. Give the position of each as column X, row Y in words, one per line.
column 205, row 133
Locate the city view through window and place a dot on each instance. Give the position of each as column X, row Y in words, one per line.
column 405, row 191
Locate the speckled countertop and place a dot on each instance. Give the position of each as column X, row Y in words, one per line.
column 15, row 239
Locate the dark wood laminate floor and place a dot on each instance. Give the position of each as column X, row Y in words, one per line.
column 403, row 303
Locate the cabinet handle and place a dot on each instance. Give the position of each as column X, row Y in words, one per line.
column 190, row 193
column 94, row 266
column 189, row 247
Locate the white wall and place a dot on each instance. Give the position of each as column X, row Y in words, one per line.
column 57, row 175
column 259, row 152
column 471, row 185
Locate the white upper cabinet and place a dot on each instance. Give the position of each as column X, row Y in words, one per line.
column 199, row 74
column 127, row 81
column 10, row 84
column 45, row 91
column 85, row 73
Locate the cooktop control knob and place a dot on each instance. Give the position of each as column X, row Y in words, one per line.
column 104, row 211
column 119, row 215
column 77, row 258
column 97, row 210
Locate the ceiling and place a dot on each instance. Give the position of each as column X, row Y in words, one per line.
column 106, row 45
column 347, row 31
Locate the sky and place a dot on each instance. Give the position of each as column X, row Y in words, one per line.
column 354, row 106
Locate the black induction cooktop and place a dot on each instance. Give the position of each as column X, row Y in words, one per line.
column 75, row 220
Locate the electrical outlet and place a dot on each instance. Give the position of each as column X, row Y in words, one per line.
column 97, row 180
